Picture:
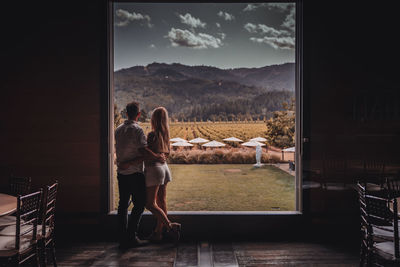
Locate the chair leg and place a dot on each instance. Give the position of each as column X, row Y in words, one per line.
column 42, row 255
column 35, row 260
column 362, row 256
column 369, row 259
column 53, row 253
column 14, row 261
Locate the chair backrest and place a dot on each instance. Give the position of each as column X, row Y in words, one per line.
column 375, row 211
column 334, row 165
column 20, row 185
column 378, row 210
column 334, row 170
column 366, row 227
column 374, row 171
column 393, row 187
column 374, row 165
column 48, row 210
column 27, row 215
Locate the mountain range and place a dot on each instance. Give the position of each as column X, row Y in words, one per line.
column 190, row 91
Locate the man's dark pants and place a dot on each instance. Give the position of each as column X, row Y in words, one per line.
column 132, row 185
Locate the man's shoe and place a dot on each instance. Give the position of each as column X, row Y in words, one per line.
column 136, row 242
column 131, row 243
column 123, row 245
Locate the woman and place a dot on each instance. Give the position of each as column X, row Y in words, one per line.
column 158, row 175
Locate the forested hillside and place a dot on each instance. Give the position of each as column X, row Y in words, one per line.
column 206, row 93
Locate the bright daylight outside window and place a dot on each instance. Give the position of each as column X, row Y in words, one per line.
column 226, row 73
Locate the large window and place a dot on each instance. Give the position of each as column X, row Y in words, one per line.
column 228, row 75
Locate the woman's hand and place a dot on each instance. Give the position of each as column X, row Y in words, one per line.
column 161, row 157
column 124, row 165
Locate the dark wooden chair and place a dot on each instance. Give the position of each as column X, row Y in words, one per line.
column 17, row 186
column 374, row 171
column 379, row 230
column 46, row 229
column 18, row 243
column 393, row 187
column 20, row 185
column 334, row 174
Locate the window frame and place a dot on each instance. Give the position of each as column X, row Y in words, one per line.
column 299, row 121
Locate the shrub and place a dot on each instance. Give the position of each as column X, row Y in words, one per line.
column 219, row 156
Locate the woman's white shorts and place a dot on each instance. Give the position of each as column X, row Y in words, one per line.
column 158, row 174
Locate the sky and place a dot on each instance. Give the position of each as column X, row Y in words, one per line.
column 223, row 35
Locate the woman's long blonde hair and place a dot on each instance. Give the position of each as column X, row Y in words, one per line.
column 159, row 125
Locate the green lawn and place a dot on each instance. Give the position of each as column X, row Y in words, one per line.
column 229, row 187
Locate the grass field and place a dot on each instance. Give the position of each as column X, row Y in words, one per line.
column 229, row 187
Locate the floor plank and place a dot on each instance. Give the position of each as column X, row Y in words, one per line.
column 207, row 253
column 187, row 255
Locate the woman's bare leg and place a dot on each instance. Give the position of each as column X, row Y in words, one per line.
column 162, row 203
column 151, row 205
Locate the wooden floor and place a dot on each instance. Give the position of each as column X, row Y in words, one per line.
column 208, row 254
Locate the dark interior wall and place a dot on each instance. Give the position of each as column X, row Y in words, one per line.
column 348, row 58
column 352, row 98
column 53, row 76
column 50, row 97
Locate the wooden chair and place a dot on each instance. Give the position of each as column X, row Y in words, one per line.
column 392, row 186
column 46, row 230
column 377, row 246
column 20, row 185
column 334, row 174
column 18, row 243
column 374, row 171
column 365, row 228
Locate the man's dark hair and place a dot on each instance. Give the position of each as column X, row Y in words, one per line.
column 132, row 110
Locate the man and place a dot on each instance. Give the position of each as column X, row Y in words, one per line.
column 131, row 149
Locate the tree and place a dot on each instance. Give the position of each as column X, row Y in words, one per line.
column 117, row 116
column 281, row 127
column 143, row 116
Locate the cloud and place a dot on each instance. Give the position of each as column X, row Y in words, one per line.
column 226, row 15
column 223, row 35
column 282, row 7
column 264, row 29
column 126, row 17
column 152, row 46
column 193, row 22
column 282, row 38
column 271, row 31
column 218, row 25
column 251, row 7
column 290, row 20
column 278, row 39
column 250, row 27
column 187, row 38
column 276, row 42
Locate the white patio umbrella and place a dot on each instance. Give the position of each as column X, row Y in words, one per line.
column 182, row 144
column 258, row 139
column 253, row 143
column 289, row 149
column 214, row 144
column 233, row 139
column 177, row 139
column 198, row 140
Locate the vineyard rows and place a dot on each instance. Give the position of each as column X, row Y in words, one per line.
column 214, row 131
